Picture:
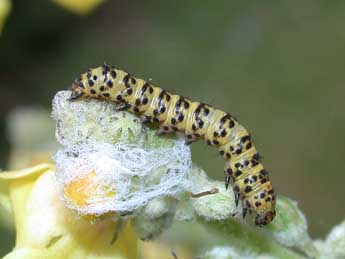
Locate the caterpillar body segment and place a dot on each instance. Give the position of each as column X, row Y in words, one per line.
column 195, row 120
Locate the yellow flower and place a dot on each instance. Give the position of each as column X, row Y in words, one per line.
column 46, row 228
column 5, row 8
column 81, row 7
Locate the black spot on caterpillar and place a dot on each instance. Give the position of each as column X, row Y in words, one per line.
column 195, row 120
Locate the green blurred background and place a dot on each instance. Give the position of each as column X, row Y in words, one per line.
column 278, row 66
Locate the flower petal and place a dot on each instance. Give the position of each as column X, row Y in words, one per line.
column 5, row 8
column 46, row 228
column 32, row 172
column 81, row 7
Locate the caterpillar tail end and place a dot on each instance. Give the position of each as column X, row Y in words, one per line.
column 74, row 96
column 77, row 92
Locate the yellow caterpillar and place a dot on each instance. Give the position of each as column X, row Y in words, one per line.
column 196, row 121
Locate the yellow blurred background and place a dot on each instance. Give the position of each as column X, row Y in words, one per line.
column 278, row 66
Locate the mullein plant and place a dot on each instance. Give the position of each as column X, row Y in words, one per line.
column 114, row 182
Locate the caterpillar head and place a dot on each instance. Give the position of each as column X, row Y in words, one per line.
column 265, row 208
column 264, row 218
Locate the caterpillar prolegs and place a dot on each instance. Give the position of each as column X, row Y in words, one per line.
column 195, row 120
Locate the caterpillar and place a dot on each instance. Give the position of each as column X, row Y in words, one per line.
column 174, row 113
